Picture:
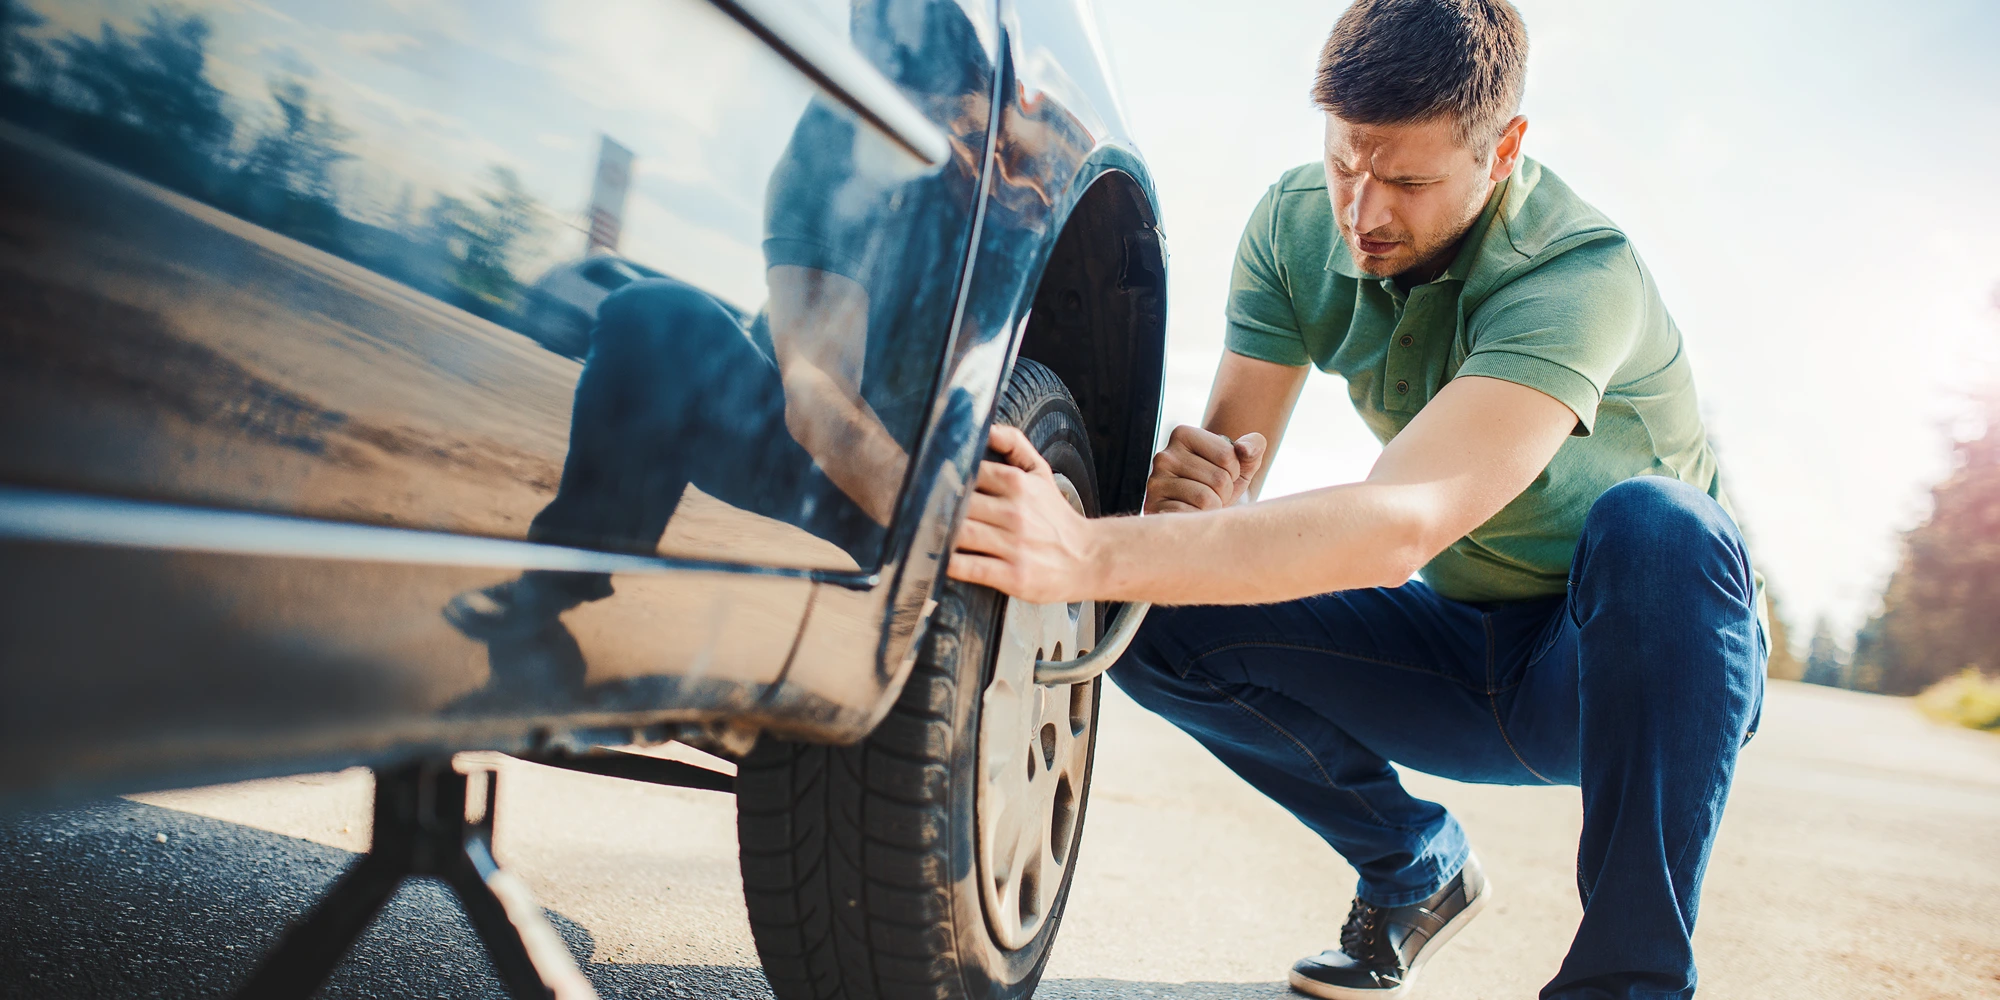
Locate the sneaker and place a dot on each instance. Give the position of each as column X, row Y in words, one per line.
column 1382, row 947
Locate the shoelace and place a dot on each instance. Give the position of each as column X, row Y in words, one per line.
column 1362, row 937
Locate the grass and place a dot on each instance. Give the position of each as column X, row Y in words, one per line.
column 1968, row 699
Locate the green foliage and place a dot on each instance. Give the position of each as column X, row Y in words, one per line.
column 487, row 237
column 18, row 53
column 1967, row 699
column 1941, row 612
column 143, row 101
column 297, row 152
column 155, row 84
column 286, row 180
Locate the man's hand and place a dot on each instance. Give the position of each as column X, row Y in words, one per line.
column 1202, row 470
column 1021, row 536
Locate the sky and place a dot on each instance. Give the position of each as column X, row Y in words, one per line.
column 1811, row 182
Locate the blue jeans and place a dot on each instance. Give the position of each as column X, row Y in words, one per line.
column 1640, row 685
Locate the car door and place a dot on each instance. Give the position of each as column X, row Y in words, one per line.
column 297, row 262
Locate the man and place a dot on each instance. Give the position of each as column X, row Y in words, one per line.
column 1587, row 613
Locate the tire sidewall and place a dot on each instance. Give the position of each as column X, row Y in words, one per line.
column 1055, row 427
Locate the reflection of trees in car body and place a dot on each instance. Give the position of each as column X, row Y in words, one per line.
column 487, row 237
column 287, row 176
column 144, row 101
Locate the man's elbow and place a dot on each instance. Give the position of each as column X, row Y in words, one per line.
column 1409, row 541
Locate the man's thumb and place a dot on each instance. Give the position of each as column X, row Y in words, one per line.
column 1250, row 454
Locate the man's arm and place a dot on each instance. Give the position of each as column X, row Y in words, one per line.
column 819, row 328
column 1471, row 450
column 1227, row 458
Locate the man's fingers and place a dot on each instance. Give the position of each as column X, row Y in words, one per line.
column 984, row 571
column 1013, row 447
column 1175, row 464
column 982, row 537
column 1206, row 445
column 999, row 478
column 1164, row 506
column 1196, row 495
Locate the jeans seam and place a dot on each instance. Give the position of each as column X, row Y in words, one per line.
column 1188, row 661
column 1493, row 702
column 1305, row 751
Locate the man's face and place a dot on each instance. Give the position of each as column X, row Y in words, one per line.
column 1404, row 194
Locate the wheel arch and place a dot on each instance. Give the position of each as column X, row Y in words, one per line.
column 1097, row 318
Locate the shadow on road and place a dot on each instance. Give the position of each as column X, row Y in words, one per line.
column 118, row 898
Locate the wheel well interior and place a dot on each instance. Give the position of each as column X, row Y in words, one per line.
column 1098, row 321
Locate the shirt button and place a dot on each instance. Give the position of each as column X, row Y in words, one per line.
column 1407, row 340
column 1402, row 387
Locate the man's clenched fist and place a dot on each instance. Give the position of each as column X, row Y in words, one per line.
column 1202, row 470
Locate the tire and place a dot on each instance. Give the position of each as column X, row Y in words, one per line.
column 862, row 865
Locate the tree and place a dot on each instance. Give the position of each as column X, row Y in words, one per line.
column 19, row 54
column 288, row 174
column 485, row 238
column 297, row 153
column 1823, row 661
column 1941, row 612
column 148, row 95
column 1782, row 665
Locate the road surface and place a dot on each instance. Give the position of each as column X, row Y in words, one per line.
column 1860, row 858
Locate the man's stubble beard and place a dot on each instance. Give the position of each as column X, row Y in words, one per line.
column 1428, row 259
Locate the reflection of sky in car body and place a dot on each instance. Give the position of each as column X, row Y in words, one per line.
column 435, row 93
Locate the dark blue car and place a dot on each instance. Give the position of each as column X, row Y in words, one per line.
column 307, row 460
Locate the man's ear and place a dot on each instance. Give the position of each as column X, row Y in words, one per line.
column 1507, row 152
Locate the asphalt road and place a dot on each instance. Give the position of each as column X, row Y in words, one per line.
column 1860, row 857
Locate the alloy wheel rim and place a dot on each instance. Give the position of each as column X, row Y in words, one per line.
column 1034, row 750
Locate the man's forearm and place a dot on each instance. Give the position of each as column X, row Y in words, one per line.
column 1339, row 538
column 848, row 441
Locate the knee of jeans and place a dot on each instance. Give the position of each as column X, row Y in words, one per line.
column 1653, row 515
column 667, row 319
column 1656, row 509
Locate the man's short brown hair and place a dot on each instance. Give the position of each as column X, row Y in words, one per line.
column 1395, row 62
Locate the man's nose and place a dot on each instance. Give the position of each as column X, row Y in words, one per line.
column 1369, row 209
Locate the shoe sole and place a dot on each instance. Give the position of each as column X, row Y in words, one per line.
column 1328, row 991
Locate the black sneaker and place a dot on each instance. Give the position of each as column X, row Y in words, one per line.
column 1381, row 948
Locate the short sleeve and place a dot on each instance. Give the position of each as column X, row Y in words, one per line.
column 1564, row 328
column 1262, row 322
column 804, row 225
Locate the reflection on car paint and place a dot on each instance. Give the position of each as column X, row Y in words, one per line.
column 285, row 256
column 354, row 262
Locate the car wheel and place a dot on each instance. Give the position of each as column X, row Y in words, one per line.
column 933, row 859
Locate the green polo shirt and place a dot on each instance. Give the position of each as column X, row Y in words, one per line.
column 1545, row 292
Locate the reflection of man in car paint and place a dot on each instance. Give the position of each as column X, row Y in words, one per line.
column 806, row 411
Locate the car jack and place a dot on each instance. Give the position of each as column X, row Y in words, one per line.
column 421, row 829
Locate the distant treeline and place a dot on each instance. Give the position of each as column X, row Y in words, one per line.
column 1941, row 612
column 144, row 102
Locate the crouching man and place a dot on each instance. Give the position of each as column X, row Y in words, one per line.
column 1586, row 613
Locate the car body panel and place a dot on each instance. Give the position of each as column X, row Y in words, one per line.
column 238, row 370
